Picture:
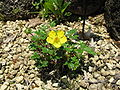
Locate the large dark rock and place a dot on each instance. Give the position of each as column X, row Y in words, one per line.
column 15, row 9
column 85, row 7
column 112, row 18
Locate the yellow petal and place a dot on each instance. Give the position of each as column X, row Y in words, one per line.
column 57, row 45
column 50, row 40
column 52, row 34
column 63, row 39
column 60, row 33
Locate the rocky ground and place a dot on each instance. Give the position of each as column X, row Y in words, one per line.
column 18, row 72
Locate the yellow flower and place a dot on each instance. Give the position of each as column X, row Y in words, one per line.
column 56, row 38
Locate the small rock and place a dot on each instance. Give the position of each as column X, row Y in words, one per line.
column 104, row 73
column 31, row 62
column 5, row 55
column 83, row 84
column 48, row 86
column 96, row 75
column 111, row 72
column 64, row 79
column 19, row 50
column 55, row 84
column 6, row 71
column 1, row 76
column 19, row 87
column 3, row 63
column 19, row 79
column 93, row 80
column 26, row 41
column 111, row 79
column 39, row 88
column 14, row 72
column 3, row 87
column 118, row 82
column 101, row 78
column 38, row 82
column 110, row 66
column 6, row 83
column 6, row 49
column 32, row 76
column 17, row 65
column 90, row 69
column 93, row 87
column 1, row 72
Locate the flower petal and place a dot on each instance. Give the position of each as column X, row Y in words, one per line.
column 57, row 45
column 63, row 39
column 52, row 34
column 50, row 40
column 60, row 33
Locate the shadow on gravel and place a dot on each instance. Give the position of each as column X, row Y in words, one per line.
column 63, row 73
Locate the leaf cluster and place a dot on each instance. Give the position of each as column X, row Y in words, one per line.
column 52, row 7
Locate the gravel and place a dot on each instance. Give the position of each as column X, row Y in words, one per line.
column 18, row 71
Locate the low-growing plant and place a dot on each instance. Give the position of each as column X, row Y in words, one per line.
column 52, row 7
column 56, row 7
column 57, row 48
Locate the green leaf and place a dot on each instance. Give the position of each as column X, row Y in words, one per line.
column 68, row 49
column 89, row 50
column 79, row 50
column 58, row 3
column 50, row 7
column 44, row 63
column 28, row 31
column 35, row 38
column 64, row 7
column 74, row 58
column 45, row 50
column 52, row 24
column 35, row 56
column 71, row 32
column 51, row 52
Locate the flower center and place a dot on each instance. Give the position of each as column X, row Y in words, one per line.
column 56, row 40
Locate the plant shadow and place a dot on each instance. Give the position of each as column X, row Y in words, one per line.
column 55, row 75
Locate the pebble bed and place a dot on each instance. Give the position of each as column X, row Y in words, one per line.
column 18, row 71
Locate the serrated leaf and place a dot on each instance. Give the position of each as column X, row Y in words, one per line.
column 52, row 24
column 45, row 50
column 35, row 56
column 71, row 31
